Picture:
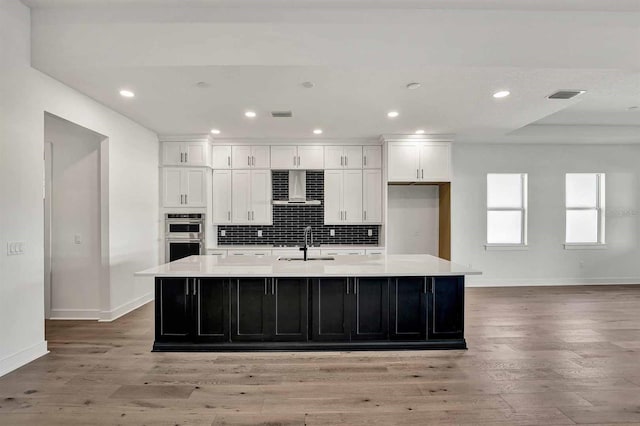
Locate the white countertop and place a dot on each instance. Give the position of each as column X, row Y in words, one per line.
column 342, row 266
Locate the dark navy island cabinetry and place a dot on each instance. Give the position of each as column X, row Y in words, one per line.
column 309, row 313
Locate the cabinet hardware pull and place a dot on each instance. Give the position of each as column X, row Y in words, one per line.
column 294, row 160
column 186, row 157
column 185, row 199
column 346, row 160
column 365, row 160
column 248, row 215
column 181, row 157
column 345, row 215
column 228, row 160
column 422, row 173
column 265, row 286
column 273, row 287
column 342, row 160
column 417, row 173
column 186, row 287
column 298, row 160
column 195, row 287
column 248, row 160
column 228, row 215
column 355, row 287
column 347, row 286
column 424, row 286
column 253, row 160
column 433, row 284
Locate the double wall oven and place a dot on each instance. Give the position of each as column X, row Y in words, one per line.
column 184, row 235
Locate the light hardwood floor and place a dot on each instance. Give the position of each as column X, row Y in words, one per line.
column 551, row 355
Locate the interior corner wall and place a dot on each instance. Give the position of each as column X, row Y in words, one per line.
column 545, row 261
column 25, row 95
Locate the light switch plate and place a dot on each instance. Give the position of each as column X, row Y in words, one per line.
column 15, row 248
column 332, row 233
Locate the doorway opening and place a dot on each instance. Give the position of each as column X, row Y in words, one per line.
column 76, row 220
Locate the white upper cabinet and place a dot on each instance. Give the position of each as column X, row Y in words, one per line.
column 185, row 153
column 307, row 157
column 221, row 157
column 284, row 157
column 221, row 197
column 343, row 157
column 372, row 196
column 310, row 157
column 342, row 197
column 184, row 187
column 251, row 197
column 372, row 156
column 250, row 157
column 419, row 161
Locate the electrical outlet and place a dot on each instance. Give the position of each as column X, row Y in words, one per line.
column 223, row 233
column 370, row 232
column 332, row 232
column 259, row 233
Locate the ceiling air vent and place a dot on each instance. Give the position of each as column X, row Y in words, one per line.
column 565, row 94
column 281, row 114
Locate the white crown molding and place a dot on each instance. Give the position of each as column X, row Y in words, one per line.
column 417, row 138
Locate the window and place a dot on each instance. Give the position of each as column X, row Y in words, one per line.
column 585, row 208
column 507, row 209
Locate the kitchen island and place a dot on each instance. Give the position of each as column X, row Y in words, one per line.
column 213, row 303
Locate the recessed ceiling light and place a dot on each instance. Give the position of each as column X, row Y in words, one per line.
column 501, row 94
column 419, row 132
column 308, row 84
column 413, row 86
column 250, row 114
column 317, row 131
column 215, row 131
column 127, row 93
column 393, row 114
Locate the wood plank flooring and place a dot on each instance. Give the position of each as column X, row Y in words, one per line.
column 550, row 355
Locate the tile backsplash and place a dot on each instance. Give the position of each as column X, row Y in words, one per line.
column 289, row 221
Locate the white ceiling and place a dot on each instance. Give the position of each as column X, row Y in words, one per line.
column 360, row 55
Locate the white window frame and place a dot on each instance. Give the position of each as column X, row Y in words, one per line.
column 599, row 208
column 523, row 245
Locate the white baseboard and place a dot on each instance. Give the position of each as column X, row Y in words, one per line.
column 22, row 357
column 533, row 282
column 74, row 314
column 125, row 308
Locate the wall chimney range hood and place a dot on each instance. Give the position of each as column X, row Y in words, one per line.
column 297, row 190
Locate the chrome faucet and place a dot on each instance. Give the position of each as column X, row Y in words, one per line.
column 307, row 231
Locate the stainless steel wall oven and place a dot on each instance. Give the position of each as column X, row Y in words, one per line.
column 184, row 235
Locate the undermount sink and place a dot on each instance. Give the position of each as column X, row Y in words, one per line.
column 288, row 259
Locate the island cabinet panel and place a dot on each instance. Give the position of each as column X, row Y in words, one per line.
column 446, row 308
column 370, row 319
column 173, row 309
column 289, row 308
column 249, row 300
column 211, row 309
column 408, row 308
column 331, row 309
column 269, row 309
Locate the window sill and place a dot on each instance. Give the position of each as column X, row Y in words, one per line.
column 505, row 247
column 587, row 246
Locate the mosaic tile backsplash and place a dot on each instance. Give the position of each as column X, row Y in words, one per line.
column 289, row 221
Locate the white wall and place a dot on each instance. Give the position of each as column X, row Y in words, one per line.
column 412, row 218
column 25, row 95
column 75, row 220
column 546, row 262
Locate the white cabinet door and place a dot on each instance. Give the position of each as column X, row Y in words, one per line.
column 172, row 195
column 172, row 154
column 195, row 184
column 260, row 207
column 221, row 197
column 353, row 157
column 404, row 162
column 333, row 157
column 352, row 196
column 260, row 158
column 311, row 157
column 435, row 162
column 372, row 157
column 221, row 157
column 333, row 214
column 342, row 252
column 240, row 196
column 241, row 157
column 196, row 153
column 372, row 196
column 284, row 157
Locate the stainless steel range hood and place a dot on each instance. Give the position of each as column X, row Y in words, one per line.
column 297, row 190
